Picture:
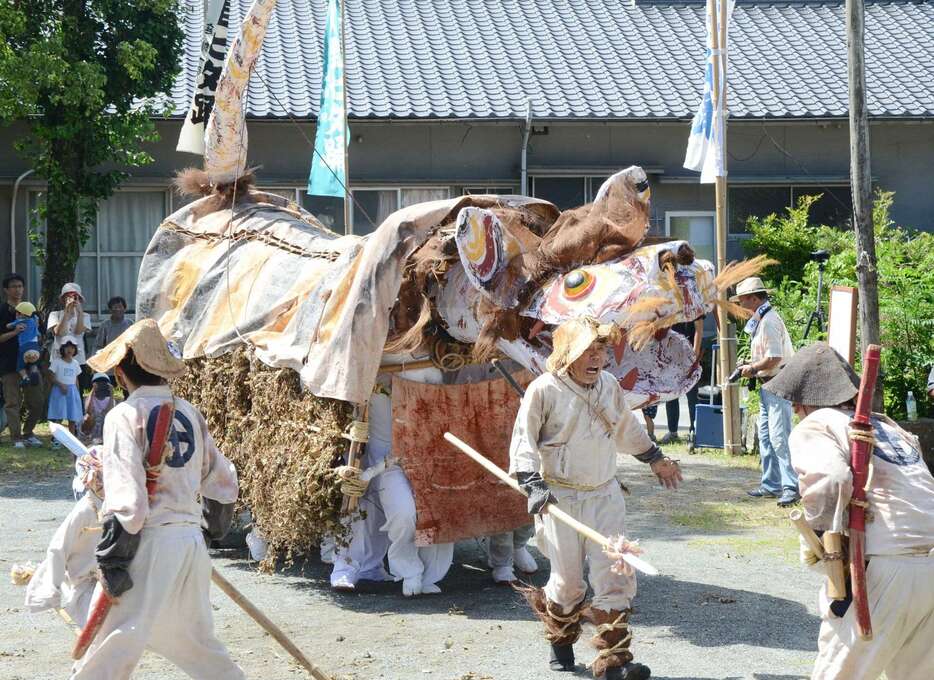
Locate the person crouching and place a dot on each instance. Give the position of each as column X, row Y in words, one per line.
column 572, row 422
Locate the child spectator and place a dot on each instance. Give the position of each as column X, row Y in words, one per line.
column 96, row 406
column 111, row 329
column 27, row 360
column 65, row 400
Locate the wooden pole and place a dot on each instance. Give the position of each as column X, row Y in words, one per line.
column 553, row 510
column 349, row 504
column 731, row 411
column 254, row 613
column 348, row 199
column 861, row 181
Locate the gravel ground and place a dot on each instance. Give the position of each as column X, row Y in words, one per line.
column 731, row 603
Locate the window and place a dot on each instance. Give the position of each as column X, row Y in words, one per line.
column 697, row 228
column 496, row 190
column 373, row 206
column 834, row 207
column 108, row 263
column 567, row 191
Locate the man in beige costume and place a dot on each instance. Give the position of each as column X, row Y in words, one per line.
column 899, row 537
column 571, row 425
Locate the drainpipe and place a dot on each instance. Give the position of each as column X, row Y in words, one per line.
column 524, row 180
column 13, row 219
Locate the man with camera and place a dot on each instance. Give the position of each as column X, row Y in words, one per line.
column 770, row 349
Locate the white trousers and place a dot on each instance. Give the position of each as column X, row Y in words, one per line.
column 389, row 530
column 503, row 546
column 566, row 550
column 901, row 607
column 168, row 611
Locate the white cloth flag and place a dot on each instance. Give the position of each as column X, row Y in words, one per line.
column 708, row 130
column 213, row 54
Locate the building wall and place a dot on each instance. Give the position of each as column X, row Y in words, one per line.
column 457, row 154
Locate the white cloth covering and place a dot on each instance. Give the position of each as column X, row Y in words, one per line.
column 901, row 606
column 388, row 530
column 899, row 543
column 196, row 466
column 559, row 433
column 66, row 577
column 167, row 611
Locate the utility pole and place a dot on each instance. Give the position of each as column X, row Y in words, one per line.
column 861, row 179
column 732, row 429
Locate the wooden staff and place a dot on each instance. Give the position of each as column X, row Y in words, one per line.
column 860, row 451
column 553, row 510
column 254, row 613
column 350, row 503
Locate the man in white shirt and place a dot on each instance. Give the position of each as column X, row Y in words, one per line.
column 152, row 555
column 899, row 538
column 770, row 349
column 572, row 423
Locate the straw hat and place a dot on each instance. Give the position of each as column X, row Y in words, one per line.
column 26, row 308
column 71, row 288
column 573, row 337
column 149, row 349
column 815, row 376
column 748, row 286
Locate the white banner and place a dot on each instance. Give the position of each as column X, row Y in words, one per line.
column 213, row 54
column 705, row 145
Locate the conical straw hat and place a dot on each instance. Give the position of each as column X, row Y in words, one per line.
column 573, row 337
column 150, row 351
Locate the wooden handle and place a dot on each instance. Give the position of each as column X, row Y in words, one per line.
column 254, row 613
column 553, row 510
column 807, row 533
column 836, row 579
column 349, row 504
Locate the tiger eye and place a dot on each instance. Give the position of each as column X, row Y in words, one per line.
column 574, row 279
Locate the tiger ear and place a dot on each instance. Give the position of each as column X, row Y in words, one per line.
column 485, row 248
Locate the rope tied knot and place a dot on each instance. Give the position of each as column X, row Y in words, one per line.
column 358, row 431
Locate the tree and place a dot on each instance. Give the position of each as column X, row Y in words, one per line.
column 85, row 76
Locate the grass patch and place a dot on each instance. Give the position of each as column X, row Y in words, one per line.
column 34, row 461
column 745, row 461
column 780, row 543
column 731, row 515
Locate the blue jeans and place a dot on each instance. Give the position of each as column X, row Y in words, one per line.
column 774, row 428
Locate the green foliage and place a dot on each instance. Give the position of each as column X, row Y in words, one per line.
column 85, row 76
column 905, row 261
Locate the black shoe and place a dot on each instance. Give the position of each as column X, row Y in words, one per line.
column 761, row 492
column 789, row 497
column 562, row 658
column 631, row 671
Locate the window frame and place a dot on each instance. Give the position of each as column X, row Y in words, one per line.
column 97, row 253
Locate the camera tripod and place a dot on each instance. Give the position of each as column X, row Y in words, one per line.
column 817, row 314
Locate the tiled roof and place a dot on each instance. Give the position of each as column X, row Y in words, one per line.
column 580, row 59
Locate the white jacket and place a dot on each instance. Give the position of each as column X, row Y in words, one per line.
column 196, row 467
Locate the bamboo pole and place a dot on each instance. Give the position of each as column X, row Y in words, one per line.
column 254, row 613
column 807, row 533
column 553, row 510
column 833, row 560
column 727, row 335
column 350, row 503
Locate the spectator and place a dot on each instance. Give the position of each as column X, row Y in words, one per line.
column 931, row 383
column 770, row 349
column 64, row 399
column 15, row 394
column 71, row 322
column 97, row 405
column 693, row 331
column 111, row 329
column 648, row 414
